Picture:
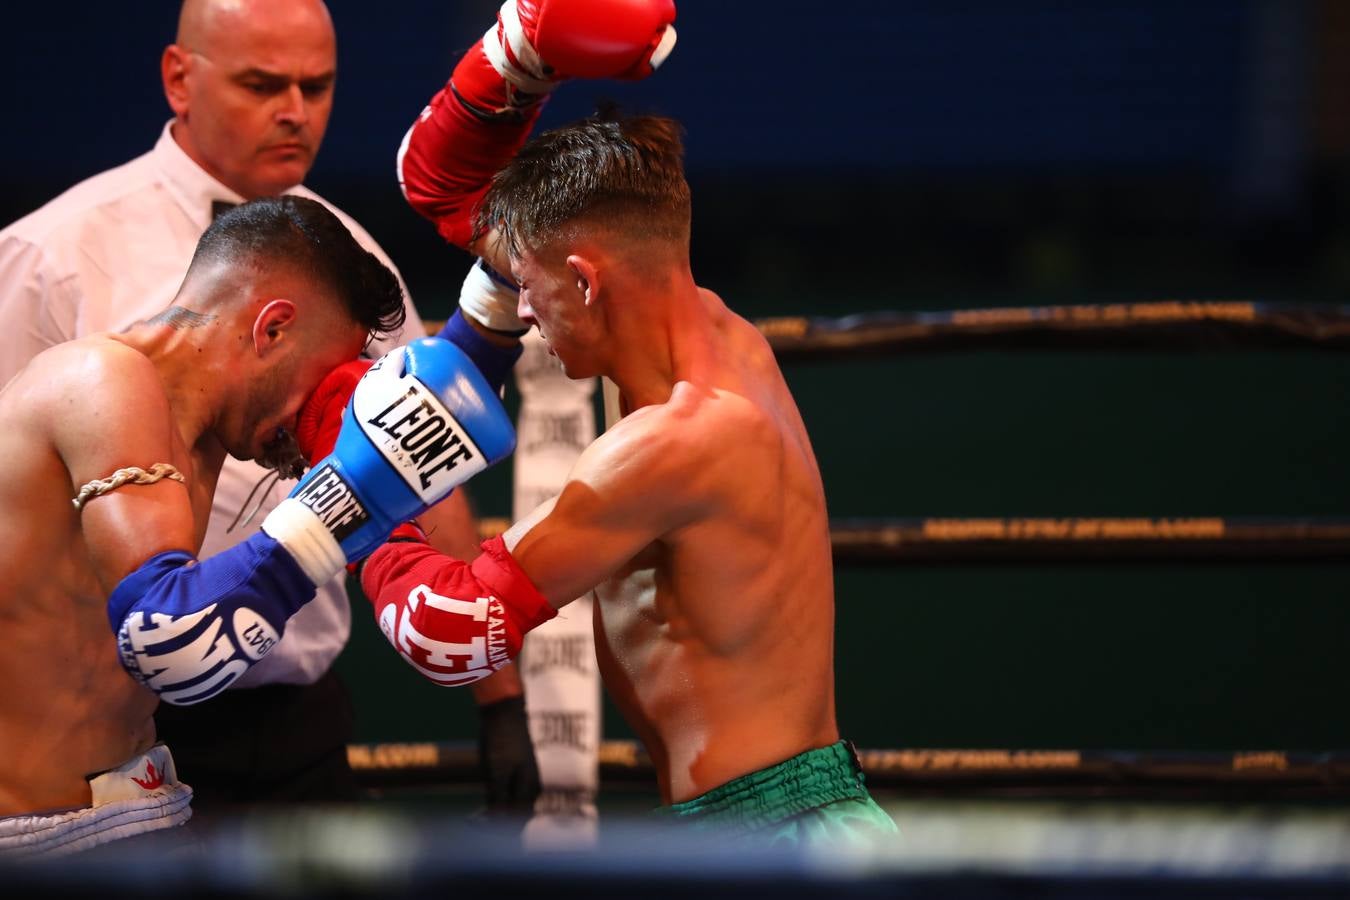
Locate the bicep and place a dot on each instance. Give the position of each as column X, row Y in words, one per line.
column 611, row 508
column 107, row 428
column 124, row 528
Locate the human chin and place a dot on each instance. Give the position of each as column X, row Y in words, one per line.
column 280, row 174
column 571, row 367
column 281, row 452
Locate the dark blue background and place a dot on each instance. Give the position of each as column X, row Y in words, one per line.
column 815, row 85
column 1001, row 143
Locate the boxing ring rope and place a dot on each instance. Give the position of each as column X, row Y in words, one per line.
column 1064, row 772
column 1159, row 325
column 1039, row 540
column 1166, row 325
column 904, row 541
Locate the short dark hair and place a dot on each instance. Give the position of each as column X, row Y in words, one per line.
column 625, row 173
column 305, row 235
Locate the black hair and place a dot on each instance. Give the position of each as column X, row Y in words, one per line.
column 305, row 235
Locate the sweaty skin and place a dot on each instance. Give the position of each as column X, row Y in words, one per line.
column 67, row 708
column 80, row 411
column 701, row 516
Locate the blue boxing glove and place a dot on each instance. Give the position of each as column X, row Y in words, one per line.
column 420, row 421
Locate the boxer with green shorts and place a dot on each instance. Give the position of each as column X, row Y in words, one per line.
column 696, row 524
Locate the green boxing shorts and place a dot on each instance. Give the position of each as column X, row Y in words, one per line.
column 816, row 797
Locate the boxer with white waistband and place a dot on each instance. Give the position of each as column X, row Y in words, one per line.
column 140, row 796
column 277, row 295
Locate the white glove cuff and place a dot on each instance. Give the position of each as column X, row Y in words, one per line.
column 297, row 528
column 663, row 48
column 489, row 301
column 527, row 72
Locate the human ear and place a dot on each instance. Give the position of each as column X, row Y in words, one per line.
column 173, row 71
column 271, row 325
column 587, row 277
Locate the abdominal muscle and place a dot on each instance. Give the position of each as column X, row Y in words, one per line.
column 67, row 709
column 709, row 706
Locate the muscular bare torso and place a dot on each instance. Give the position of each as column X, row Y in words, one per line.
column 716, row 641
column 67, row 709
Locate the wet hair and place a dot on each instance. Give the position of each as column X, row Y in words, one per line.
column 307, row 237
column 622, row 173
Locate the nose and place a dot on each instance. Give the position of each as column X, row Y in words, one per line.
column 524, row 311
column 292, row 109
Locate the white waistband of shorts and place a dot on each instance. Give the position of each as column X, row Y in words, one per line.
column 140, row 796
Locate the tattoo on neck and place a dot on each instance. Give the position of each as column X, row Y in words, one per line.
column 178, row 317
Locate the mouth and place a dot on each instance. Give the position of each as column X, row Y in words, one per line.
column 291, row 149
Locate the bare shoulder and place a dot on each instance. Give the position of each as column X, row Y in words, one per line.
column 95, row 373
column 92, row 363
column 692, row 416
column 683, row 443
column 97, row 394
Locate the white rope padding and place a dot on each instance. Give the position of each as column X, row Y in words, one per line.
column 130, row 475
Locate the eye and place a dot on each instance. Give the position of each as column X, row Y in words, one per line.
column 315, row 89
column 263, row 87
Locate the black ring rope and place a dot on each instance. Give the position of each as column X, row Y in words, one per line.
column 1180, row 324
column 624, row 762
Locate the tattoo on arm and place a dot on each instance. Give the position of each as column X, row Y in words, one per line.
column 180, row 318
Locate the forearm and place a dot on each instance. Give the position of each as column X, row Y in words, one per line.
column 470, row 129
column 493, row 353
column 186, row 629
column 480, row 119
column 503, row 684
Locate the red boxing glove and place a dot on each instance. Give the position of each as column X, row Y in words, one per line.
column 320, row 419
column 452, row 621
column 625, row 39
column 480, row 119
